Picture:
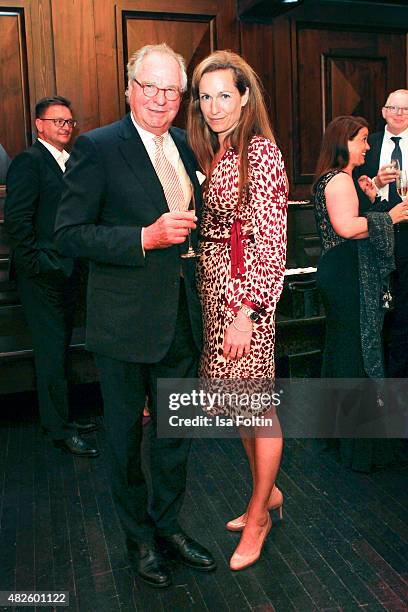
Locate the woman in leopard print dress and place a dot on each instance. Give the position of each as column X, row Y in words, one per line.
column 241, row 263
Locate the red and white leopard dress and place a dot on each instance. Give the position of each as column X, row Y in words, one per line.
column 263, row 221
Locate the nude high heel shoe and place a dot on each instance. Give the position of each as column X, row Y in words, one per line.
column 275, row 503
column 240, row 562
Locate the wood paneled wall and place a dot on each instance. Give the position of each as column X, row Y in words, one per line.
column 79, row 49
column 317, row 61
column 326, row 59
column 15, row 134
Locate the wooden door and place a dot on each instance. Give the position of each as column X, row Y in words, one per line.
column 15, row 133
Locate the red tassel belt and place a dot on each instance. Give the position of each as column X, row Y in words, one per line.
column 237, row 248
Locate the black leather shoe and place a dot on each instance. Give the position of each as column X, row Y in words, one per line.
column 188, row 551
column 149, row 565
column 85, row 428
column 77, row 446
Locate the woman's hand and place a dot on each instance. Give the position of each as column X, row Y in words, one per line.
column 367, row 185
column 237, row 339
column 399, row 212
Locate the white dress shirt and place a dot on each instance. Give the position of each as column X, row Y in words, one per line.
column 387, row 148
column 61, row 157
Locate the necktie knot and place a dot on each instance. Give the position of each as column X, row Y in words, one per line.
column 395, row 140
column 158, row 141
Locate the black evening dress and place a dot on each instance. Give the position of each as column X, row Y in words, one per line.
column 338, row 283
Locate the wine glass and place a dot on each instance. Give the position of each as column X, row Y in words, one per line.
column 401, row 183
column 395, row 165
column 190, row 251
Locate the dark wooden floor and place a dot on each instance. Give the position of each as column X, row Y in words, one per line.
column 343, row 543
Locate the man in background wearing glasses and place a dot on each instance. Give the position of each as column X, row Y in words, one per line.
column 387, row 156
column 392, row 144
column 46, row 280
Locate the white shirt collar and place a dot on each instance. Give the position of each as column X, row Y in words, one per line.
column 59, row 156
column 146, row 136
column 388, row 134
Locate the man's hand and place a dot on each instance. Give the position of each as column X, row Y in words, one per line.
column 399, row 213
column 170, row 228
column 386, row 174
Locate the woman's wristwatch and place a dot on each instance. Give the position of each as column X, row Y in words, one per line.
column 251, row 314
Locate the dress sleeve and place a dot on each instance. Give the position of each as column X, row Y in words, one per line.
column 268, row 209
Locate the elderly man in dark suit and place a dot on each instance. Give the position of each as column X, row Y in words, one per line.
column 127, row 189
column 46, row 280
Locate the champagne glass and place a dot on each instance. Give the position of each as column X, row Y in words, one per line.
column 190, row 251
column 395, row 165
column 401, row 183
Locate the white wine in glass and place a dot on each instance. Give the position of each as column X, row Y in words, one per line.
column 402, row 184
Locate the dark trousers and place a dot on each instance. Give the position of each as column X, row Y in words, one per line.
column 398, row 358
column 49, row 310
column 124, row 386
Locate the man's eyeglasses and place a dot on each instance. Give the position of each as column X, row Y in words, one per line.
column 150, row 90
column 61, row 122
column 394, row 109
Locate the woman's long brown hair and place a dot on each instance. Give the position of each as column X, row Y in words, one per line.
column 254, row 120
column 334, row 153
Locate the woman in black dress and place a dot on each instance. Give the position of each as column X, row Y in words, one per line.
column 341, row 228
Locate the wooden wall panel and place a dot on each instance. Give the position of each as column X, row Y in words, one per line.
column 267, row 47
column 186, row 35
column 75, row 58
column 227, row 25
column 41, row 50
column 14, row 103
column 110, row 91
column 257, row 48
column 337, row 73
column 350, row 83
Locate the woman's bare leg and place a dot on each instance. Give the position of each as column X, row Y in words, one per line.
column 267, row 453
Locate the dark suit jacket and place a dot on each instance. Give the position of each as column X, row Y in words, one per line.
column 34, row 184
column 370, row 167
column 111, row 192
column 372, row 159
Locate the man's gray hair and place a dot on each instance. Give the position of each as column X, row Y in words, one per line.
column 135, row 61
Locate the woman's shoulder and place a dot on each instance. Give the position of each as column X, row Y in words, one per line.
column 334, row 177
column 261, row 148
column 261, row 143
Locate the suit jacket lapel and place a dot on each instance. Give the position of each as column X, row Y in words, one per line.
column 136, row 157
column 374, row 154
column 50, row 159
